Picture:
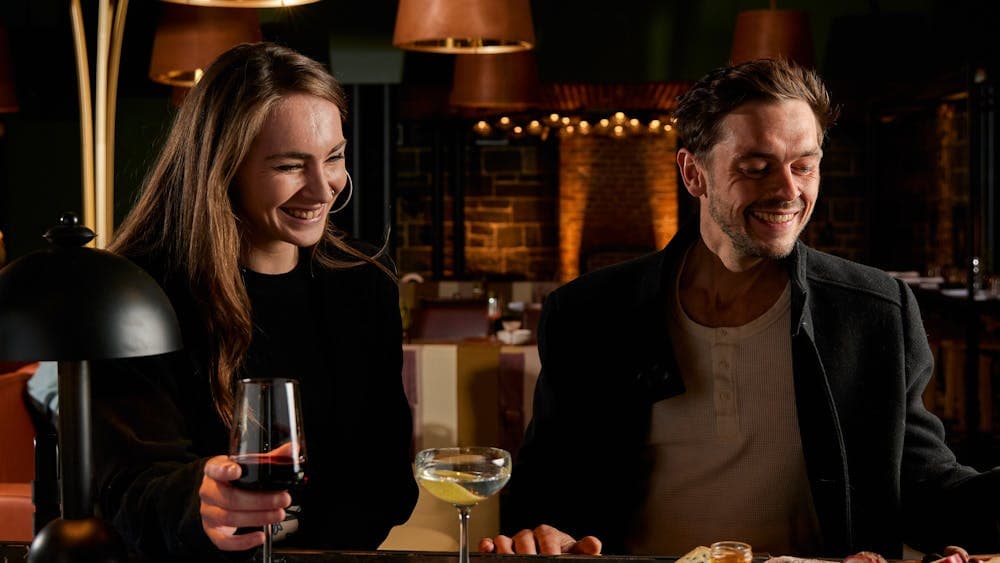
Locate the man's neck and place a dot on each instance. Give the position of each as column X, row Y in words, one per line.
column 714, row 295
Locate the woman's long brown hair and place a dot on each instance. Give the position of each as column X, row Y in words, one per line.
column 186, row 216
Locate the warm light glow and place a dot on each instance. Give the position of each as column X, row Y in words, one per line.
column 482, row 128
column 574, row 192
column 663, row 195
column 618, row 126
column 591, row 169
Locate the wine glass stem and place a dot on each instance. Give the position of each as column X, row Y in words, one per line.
column 463, row 539
column 266, row 549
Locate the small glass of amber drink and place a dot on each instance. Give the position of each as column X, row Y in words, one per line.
column 731, row 552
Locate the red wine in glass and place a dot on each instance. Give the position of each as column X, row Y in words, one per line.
column 265, row 472
column 267, row 440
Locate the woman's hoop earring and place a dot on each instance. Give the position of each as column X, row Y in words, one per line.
column 350, row 192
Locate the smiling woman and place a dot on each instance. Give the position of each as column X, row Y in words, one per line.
column 288, row 181
column 234, row 222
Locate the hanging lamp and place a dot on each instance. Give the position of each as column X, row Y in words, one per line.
column 505, row 82
column 772, row 33
column 189, row 38
column 464, row 26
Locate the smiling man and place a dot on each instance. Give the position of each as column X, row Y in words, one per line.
column 749, row 387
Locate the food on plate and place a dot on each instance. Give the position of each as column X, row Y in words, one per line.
column 865, row 557
column 859, row 557
column 700, row 554
column 952, row 554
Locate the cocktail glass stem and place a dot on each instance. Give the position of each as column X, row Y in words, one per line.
column 266, row 549
column 463, row 534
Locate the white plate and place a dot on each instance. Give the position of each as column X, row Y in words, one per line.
column 514, row 337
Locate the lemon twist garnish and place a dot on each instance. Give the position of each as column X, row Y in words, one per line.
column 443, row 483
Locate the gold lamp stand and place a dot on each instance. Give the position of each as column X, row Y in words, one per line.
column 97, row 120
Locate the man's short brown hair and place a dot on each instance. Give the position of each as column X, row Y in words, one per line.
column 703, row 107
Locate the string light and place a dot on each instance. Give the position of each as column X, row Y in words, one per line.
column 618, row 125
column 482, row 128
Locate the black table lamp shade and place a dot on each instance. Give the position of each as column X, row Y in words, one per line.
column 70, row 302
column 74, row 304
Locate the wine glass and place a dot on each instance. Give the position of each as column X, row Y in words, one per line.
column 267, row 439
column 464, row 477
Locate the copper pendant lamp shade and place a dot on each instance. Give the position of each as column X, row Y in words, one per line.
column 770, row 34
column 508, row 81
column 8, row 97
column 189, row 38
column 464, row 26
column 242, row 3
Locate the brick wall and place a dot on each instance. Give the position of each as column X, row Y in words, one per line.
column 510, row 212
column 509, row 205
column 414, row 180
column 617, row 199
column 605, row 200
column 951, row 187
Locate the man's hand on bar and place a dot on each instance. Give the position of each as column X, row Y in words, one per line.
column 544, row 540
column 225, row 508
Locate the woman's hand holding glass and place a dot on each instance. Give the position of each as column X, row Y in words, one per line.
column 224, row 508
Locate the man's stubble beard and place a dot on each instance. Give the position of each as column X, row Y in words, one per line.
column 741, row 239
